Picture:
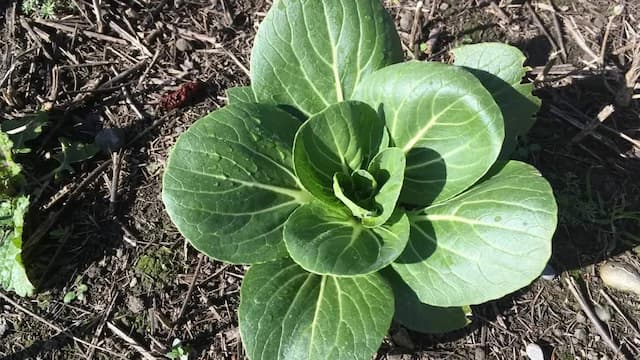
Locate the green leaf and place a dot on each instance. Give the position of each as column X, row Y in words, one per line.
column 311, row 54
column 370, row 197
column 13, row 276
column 72, row 152
column 25, row 129
column 326, row 240
column 418, row 316
column 499, row 68
column 344, row 187
column 487, row 242
column 287, row 313
column 388, row 170
column 9, row 169
column 69, row 297
column 444, row 120
column 229, row 184
column 13, row 208
column 242, row 94
column 343, row 138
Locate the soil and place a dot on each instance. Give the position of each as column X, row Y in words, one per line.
column 138, row 270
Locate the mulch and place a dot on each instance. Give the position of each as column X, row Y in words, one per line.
column 152, row 68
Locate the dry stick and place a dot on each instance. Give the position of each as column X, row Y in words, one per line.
column 499, row 12
column 55, row 327
column 594, row 123
column 617, row 309
column 134, row 344
column 124, row 34
column 558, row 31
column 87, row 33
column 579, row 39
column 238, row 62
column 132, row 104
column 417, row 16
column 586, row 307
column 35, row 37
column 97, row 11
column 194, row 35
column 98, row 332
column 190, row 290
column 607, row 142
column 605, row 39
column 116, row 158
column 633, row 142
column 541, row 26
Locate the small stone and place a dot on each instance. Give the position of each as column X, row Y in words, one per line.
column 183, row 45
column 558, row 332
column 406, row 21
column 581, row 318
column 444, row 6
column 549, row 273
column 534, row 352
column 580, row 334
column 135, row 304
column 603, row 312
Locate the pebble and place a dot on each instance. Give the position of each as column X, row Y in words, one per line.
column 603, row 312
column 444, row 6
column 183, row 45
column 581, row 318
column 135, row 304
column 558, row 332
column 534, row 352
column 620, row 277
column 406, row 21
column 580, row 334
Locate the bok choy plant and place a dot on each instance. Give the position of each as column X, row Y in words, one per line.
column 359, row 186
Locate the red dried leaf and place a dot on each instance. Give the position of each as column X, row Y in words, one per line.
column 180, row 97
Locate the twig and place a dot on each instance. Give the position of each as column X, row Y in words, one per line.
column 194, row 35
column 98, row 12
column 541, row 26
column 594, row 123
column 134, row 344
column 116, row 158
column 238, row 62
column 98, row 332
column 586, row 307
column 130, row 38
column 579, row 39
column 617, row 309
column 55, row 327
column 35, row 37
column 499, row 12
column 417, row 17
column 190, row 290
column 558, row 30
column 87, row 33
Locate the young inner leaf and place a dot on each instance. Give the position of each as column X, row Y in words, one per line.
column 357, row 192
